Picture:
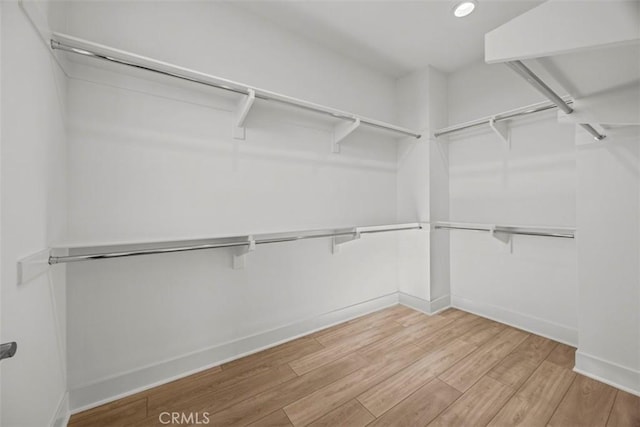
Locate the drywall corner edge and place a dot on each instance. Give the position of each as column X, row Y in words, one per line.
column 107, row 390
column 62, row 414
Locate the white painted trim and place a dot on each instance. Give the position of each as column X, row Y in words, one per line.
column 427, row 307
column 440, row 304
column 62, row 414
column 536, row 325
column 107, row 390
column 615, row 375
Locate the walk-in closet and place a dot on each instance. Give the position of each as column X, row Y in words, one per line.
column 320, row 213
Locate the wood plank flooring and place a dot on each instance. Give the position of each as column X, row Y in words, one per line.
column 394, row 367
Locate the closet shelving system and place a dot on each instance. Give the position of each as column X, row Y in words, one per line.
column 85, row 252
column 95, row 251
column 348, row 122
column 497, row 122
column 531, row 78
column 36, row 264
column 68, row 252
column 75, row 252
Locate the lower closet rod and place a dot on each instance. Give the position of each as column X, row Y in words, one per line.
column 152, row 251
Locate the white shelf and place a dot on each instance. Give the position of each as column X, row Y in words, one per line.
column 115, row 249
column 88, row 244
column 145, row 66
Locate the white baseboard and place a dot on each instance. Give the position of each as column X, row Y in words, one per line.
column 91, row 395
column 428, row 307
column 610, row 373
column 62, row 415
column 542, row 327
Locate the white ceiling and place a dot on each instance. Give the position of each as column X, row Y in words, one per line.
column 393, row 36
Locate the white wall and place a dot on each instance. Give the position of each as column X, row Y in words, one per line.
column 33, row 213
column 608, row 177
column 533, row 183
column 159, row 161
column 608, row 253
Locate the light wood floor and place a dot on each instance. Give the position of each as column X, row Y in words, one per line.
column 395, row 367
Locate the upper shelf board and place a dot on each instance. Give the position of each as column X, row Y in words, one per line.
column 557, row 27
column 90, row 246
column 145, row 65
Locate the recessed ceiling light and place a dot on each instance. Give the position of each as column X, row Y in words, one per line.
column 464, row 8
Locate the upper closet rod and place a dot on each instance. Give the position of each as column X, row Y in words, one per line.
column 94, row 50
column 225, row 243
column 524, row 231
column 541, row 87
column 535, row 108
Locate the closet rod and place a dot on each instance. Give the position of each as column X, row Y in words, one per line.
column 92, row 50
column 506, row 229
column 524, row 111
column 542, row 87
column 273, row 238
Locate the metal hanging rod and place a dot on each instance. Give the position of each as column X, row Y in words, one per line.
column 85, row 48
column 542, row 87
column 225, row 242
column 121, row 254
column 524, row 231
column 511, row 114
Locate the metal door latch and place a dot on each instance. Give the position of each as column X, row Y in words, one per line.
column 8, row 349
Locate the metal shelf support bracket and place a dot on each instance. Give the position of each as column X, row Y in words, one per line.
column 239, row 130
column 504, row 237
column 341, row 131
column 501, row 129
column 240, row 258
column 336, row 241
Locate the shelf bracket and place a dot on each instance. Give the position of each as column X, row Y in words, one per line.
column 240, row 258
column 340, row 240
column 506, row 238
column 241, row 114
column 33, row 266
column 501, row 129
column 341, row 131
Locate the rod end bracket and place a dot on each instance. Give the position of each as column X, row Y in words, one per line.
column 33, row 266
column 240, row 258
column 501, row 129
